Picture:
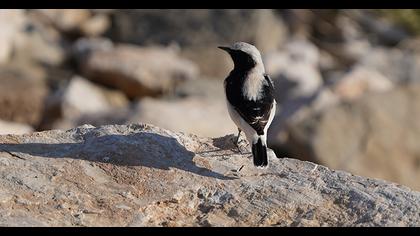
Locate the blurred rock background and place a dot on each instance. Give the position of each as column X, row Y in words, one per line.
column 347, row 81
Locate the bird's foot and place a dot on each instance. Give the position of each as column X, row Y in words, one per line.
column 243, row 148
column 241, row 145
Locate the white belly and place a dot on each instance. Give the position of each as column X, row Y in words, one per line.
column 250, row 133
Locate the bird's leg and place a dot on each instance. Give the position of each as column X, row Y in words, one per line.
column 239, row 135
column 237, row 141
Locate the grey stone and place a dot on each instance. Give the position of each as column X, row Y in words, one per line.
column 136, row 71
column 82, row 101
column 376, row 136
column 154, row 177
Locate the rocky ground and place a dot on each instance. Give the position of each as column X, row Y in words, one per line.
column 142, row 175
column 347, row 81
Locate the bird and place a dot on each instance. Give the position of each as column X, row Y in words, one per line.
column 250, row 98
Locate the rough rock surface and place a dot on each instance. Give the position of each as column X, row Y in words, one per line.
column 141, row 175
column 376, row 136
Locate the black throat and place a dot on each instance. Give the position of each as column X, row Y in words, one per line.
column 243, row 62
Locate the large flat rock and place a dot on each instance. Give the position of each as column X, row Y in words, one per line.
column 141, row 175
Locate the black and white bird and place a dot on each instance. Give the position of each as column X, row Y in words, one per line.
column 250, row 98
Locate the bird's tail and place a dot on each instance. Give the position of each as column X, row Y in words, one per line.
column 259, row 151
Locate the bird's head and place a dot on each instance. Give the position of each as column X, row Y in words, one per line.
column 244, row 55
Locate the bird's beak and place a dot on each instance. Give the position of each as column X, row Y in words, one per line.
column 227, row 49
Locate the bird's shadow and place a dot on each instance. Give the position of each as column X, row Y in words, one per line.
column 139, row 149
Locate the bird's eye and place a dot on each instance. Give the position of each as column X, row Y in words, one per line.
column 250, row 60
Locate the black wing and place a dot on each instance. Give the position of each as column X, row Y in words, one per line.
column 255, row 113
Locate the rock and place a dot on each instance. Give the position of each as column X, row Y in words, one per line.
column 76, row 22
column 66, row 20
column 292, row 113
column 376, row 136
column 383, row 31
column 25, row 70
column 392, row 63
column 7, row 127
column 400, row 65
column 303, row 51
column 103, row 11
column 200, row 31
column 294, row 70
column 200, row 27
column 203, row 107
column 85, row 46
column 344, row 38
column 329, row 29
column 356, row 42
column 360, row 81
column 269, row 31
column 298, row 86
column 83, row 96
column 345, row 34
column 412, row 52
column 201, row 88
column 137, row 71
column 203, row 116
column 80, row 99
column 211, row 61
column 96, row 25
column 141, row 175
column 26, row 39
column 11, row 21
column 21, row 98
